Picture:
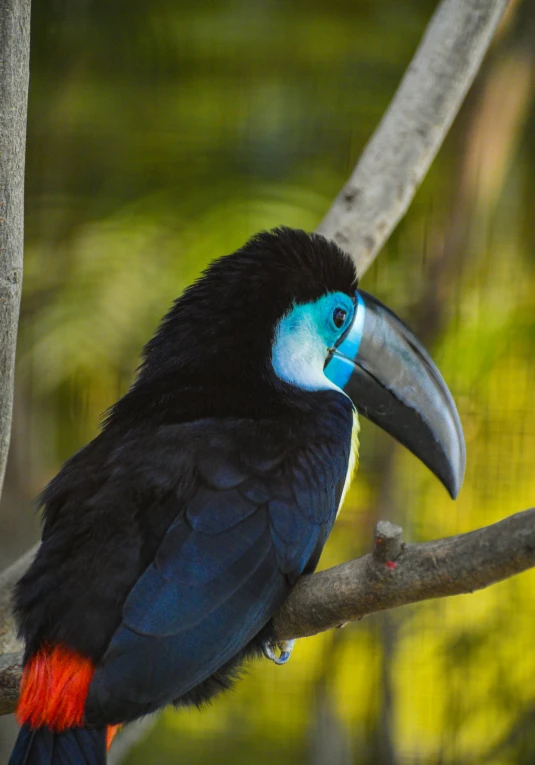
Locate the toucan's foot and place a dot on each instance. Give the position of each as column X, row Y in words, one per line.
column 285, row 647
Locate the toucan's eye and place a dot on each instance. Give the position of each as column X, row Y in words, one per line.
column 339, row 317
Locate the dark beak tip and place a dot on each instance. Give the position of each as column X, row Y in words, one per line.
column 456, row 479
column 453, row 485
column 453, row 489
column 448, row 463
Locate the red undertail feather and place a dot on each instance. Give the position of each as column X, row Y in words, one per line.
column 54, row 688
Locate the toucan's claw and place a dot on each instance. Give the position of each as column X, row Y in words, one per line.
column 285, row 647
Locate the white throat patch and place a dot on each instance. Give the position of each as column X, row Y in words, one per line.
column 299, row 353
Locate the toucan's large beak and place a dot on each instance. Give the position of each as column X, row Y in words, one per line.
column 393, row 381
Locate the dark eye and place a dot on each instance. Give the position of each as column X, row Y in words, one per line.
column 339, row 317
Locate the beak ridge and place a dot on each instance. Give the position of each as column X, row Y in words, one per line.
column 381, row 365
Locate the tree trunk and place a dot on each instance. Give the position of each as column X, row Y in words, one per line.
column 14, row 75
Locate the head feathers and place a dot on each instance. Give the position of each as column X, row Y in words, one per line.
column 223, row 324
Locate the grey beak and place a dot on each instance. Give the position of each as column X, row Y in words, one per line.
column 392, row 380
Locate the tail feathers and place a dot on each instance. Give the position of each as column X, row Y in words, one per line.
column 75, row 746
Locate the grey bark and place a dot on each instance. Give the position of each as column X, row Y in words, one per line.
column 10, row 646
column 398, row 156
column 10, row 674
column 14, row 74
column 8, row 578
column 407, row 574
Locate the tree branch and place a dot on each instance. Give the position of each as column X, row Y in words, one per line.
column 10, row 646
column 395, row 575
column 8, row 579
column 14, row 75
column 10, row 674
column 398, row 155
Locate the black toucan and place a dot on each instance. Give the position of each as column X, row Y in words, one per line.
column 172, row 538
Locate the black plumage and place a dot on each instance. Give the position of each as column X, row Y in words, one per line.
column 77, row 746
column 171, row 539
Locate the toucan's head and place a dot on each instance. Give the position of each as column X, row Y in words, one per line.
column 285, row 309
column 224, row 327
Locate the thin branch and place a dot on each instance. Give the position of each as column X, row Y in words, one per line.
column 10, row 646
column 10, row 674
column 8, row 578
column 405, row 143
column 378, row 582
column 14, row 74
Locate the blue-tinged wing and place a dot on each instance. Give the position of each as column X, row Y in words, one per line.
column 259, row 515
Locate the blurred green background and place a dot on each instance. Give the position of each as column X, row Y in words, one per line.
column 161, row 135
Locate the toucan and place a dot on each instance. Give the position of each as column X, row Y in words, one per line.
column 171, row 539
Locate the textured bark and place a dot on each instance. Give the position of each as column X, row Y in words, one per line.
column 14, row 73
column 10, row 673
column 399, row 154
column 8, row 630
column 10, row 646
column 407, row 574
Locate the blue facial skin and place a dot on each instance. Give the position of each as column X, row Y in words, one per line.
column 340, row 367
column 303, row 338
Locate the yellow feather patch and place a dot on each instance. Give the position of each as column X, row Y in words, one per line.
column 353, row 458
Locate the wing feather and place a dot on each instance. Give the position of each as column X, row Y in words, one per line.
column 259, row 515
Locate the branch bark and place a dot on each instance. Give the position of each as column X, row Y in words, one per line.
column 378, row 581
column 398, row 155
column 8, row 578
column 10, row 646
column 14, row 75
